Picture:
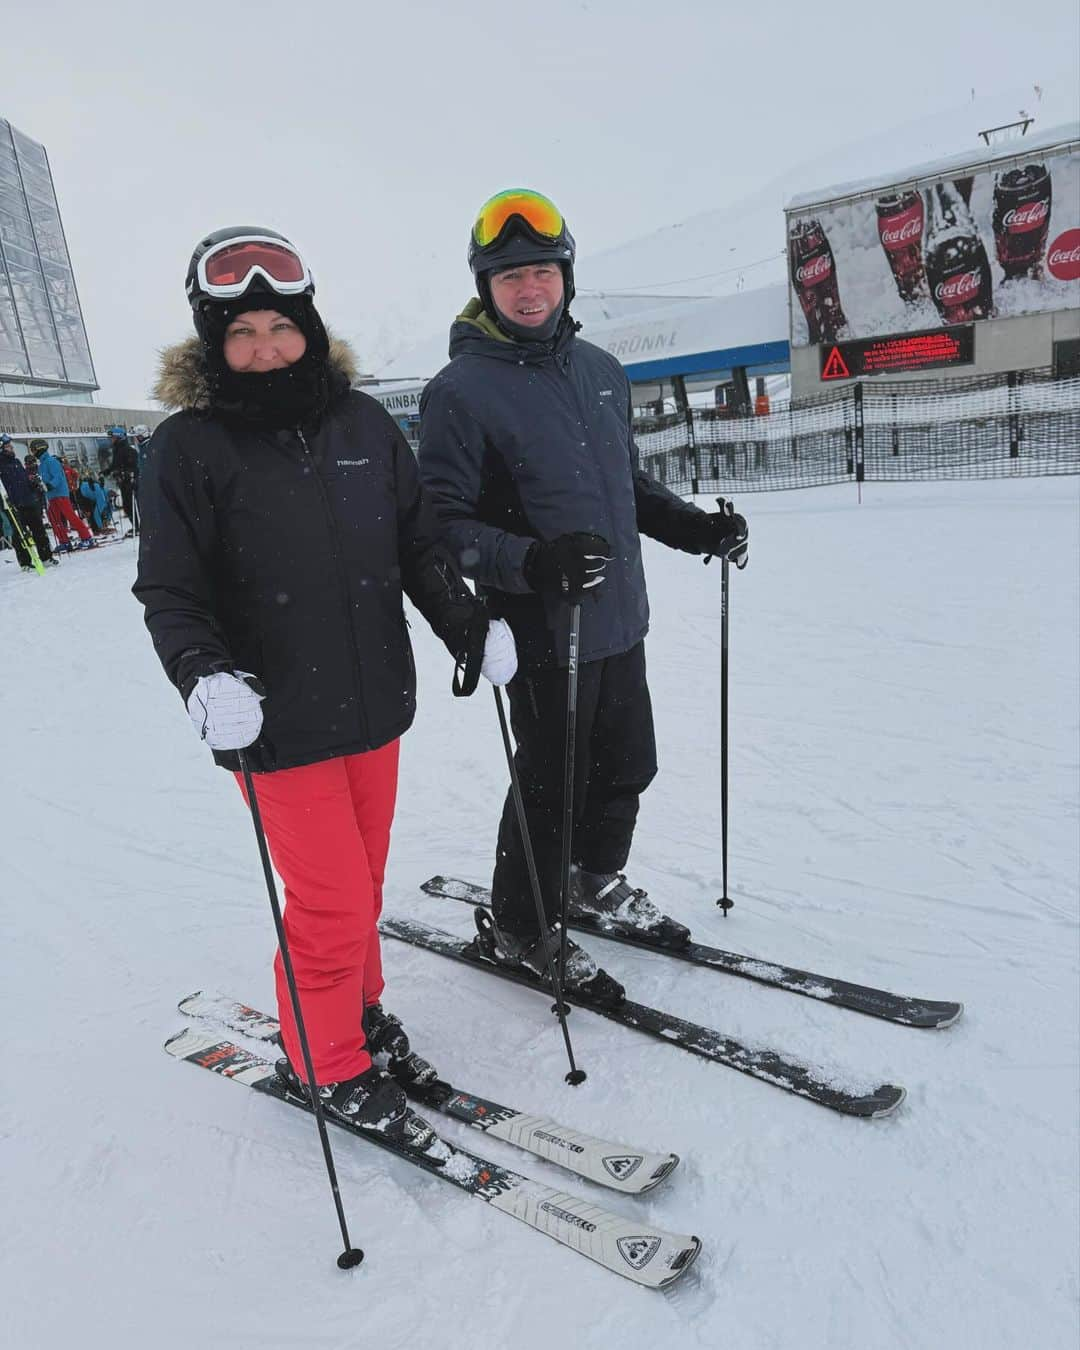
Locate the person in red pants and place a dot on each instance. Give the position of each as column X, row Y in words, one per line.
column 58, row 505
column 291, row 644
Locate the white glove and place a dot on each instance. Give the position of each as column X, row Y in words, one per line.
column 500, row 655
column 225, row 711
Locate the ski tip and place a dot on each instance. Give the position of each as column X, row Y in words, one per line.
column 682, row 1262
column 662, row 1173
column 884, row 1101
column 953, row 1014
column 171, row 1043
column 188, row 998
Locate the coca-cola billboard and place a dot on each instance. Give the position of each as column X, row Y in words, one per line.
column 974, row 244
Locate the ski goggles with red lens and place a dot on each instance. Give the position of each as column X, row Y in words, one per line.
column 227, row 269
column 541, row 217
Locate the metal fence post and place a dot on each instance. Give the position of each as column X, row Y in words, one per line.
column 1016, row 432
column 694, row 467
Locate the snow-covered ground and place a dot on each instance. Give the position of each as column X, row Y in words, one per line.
column 904, row 812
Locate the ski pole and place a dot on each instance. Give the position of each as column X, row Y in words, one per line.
column 29, row 546
column 568, row 775
column 351, row 1256
column 576, row 1075
column 725, row 902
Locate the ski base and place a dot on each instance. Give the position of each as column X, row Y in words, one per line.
column 638, row 1251
column 698, row 1040
column 621, row 1167
column 909, row 1012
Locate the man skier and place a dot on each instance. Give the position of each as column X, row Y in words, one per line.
column 25, row 506
column 526, row 447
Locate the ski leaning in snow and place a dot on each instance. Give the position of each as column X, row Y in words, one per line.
column 699, row 1040
column 909, row 1012
column 621, row 1167
column 647, row 1255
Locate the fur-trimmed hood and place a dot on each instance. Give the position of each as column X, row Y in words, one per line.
column 182, row 382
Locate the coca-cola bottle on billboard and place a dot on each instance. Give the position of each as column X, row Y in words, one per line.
column 813, row 274
column 957, row 268
column 1022, row 199
column 900, row 218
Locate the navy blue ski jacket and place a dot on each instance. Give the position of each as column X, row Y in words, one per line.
column 16, row 480
column 527, row 441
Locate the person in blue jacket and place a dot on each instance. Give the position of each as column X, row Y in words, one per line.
column 93, row 494
column 58, row 505
column 527, row 450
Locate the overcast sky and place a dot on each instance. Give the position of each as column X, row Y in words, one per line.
column 370, row 133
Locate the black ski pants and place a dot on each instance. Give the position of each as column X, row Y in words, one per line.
column 29, row 520
column 614, row 762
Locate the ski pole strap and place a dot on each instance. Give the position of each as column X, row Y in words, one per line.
column 727, row 508
column 470, row 658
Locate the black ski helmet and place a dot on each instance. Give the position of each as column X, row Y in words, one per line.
column 197, row 297
column 211, row 314
column 518, row 244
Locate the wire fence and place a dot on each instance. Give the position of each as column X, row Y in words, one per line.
column 1022, row 424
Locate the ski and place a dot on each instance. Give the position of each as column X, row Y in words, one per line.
column 698, row 1040
column 638, row 1250
column 621, row 1167
column 909, row 1012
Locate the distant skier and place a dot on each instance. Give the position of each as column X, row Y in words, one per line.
column 308, row 618
column 124, row 470
column 25, row 504
column 58, row 504
column 526, row 445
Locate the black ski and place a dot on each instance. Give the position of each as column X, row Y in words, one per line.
column 622, row 1167
column 638, row 1250
column 909, row 1012
column 709, row 1044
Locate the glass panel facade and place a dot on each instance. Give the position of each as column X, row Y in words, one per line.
column 42, row 334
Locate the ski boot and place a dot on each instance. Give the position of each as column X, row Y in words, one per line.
column 387, row 1041
column 384, row 1033
column 606, row 899
column 374, row 1103
column 529, row 953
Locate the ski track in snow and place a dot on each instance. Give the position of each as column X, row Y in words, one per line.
column 904, row 767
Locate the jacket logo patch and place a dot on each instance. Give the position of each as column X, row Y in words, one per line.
column 352, row 463
column 606, row 393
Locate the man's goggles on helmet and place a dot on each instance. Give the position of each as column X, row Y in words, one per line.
column 227, row 269
column 541, row 217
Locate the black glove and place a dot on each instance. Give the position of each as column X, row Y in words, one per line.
column 567, row 567
column 723, row 534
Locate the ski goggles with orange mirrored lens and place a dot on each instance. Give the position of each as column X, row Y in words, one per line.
column 540, row 217
column 227, row 269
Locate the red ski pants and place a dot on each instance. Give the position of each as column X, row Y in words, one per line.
column 61, row 514
column 328, row 829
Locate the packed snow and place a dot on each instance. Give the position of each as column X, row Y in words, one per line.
column 904, row 760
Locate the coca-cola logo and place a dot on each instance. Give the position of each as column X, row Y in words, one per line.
column 1028, row 217
column 900, row 232
column 958, row 289
column 814, row 270
column 1063, row 260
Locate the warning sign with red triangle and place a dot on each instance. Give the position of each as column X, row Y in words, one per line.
column 835, row 367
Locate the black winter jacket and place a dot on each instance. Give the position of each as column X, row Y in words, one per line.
column 285, row 554
column 16, row 481
column 526, row 441
column 125, row 461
